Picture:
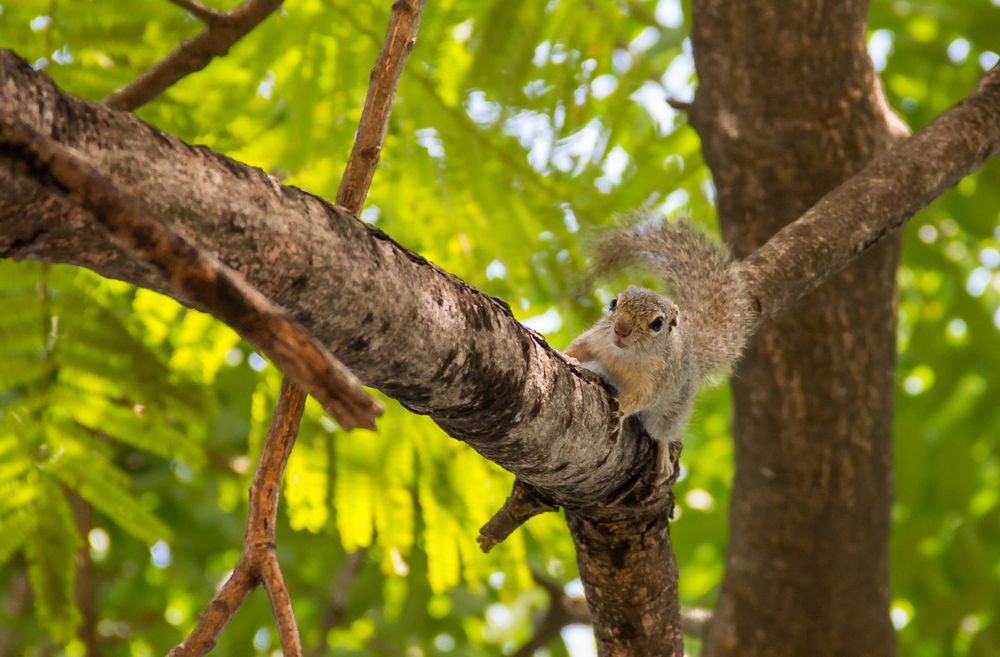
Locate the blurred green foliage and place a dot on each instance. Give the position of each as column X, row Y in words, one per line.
column 129, row 425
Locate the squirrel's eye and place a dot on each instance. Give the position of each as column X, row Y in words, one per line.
column 613, row 304
column 656, row 324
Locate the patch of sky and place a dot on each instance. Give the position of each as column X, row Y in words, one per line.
column 266, row 87
column 678, row 79
column 621, row 61
column 39, row 23
column 257, row 362
column 579, row 641
column 574, row 152
column 652, row 97
column 669, row 13
column 430, row 140
column 990, row 257
column 463, row 31
column 603, row 86
column 548, row 322
column 537, row 88
column 612, row 169
column 62, row 56
column 542, row 51
column 646, row 39
column 535, row 132
column 160, row 554
column 569, row 218
column 480, row 110
column 976, row 284
column 880, row 47
column 958, row 50
column 495, row 270
column 675, row 200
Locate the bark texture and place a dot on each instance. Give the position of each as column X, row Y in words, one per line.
column 784, row 119
column 441, row 347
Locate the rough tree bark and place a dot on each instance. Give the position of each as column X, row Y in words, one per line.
column 441, row 347
column 784, row 120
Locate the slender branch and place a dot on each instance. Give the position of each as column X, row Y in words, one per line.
column 680, row 105
column 695, row 621
column 218, row 613
column 563, row 610
column 281, row 603
column 205, row 14
column 335, row 612
column 875, row 202
column 259, row 562
column 222, row 31
column 198, row 276
column 361, row 164
column 86, row 577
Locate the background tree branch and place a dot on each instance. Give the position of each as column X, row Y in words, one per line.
column 196, row 275
column 222, row 31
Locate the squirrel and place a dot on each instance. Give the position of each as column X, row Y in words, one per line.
column 655, row 352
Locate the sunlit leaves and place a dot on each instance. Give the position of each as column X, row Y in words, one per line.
column 518, row 128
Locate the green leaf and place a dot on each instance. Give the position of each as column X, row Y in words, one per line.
column 51, row 554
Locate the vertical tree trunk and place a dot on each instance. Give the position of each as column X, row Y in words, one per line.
column 630, row 577
column 788, row 106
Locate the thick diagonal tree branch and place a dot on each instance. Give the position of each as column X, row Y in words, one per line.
column 222, row 30
column 195, row 275
column 405, row 326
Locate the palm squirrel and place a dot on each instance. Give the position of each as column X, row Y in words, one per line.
column 655, row 352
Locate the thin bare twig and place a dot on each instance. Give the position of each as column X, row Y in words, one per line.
column 680, row 105
column 361, row 164
column 86, row 578
column 563, row 610
column 218, row 613
column 335, row 613
column 259, row 563
column 205, row 14
column 222, row 30
column 197, row 276
column 281, row 604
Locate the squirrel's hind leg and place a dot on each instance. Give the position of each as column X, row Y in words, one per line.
column 664, row 464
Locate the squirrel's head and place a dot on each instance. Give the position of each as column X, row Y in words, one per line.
column 640, row 318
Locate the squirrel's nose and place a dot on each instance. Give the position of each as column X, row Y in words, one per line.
column 622, row 330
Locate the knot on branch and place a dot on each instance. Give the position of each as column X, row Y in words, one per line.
column 524, row 502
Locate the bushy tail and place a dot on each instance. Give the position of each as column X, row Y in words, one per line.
column 707, row 283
